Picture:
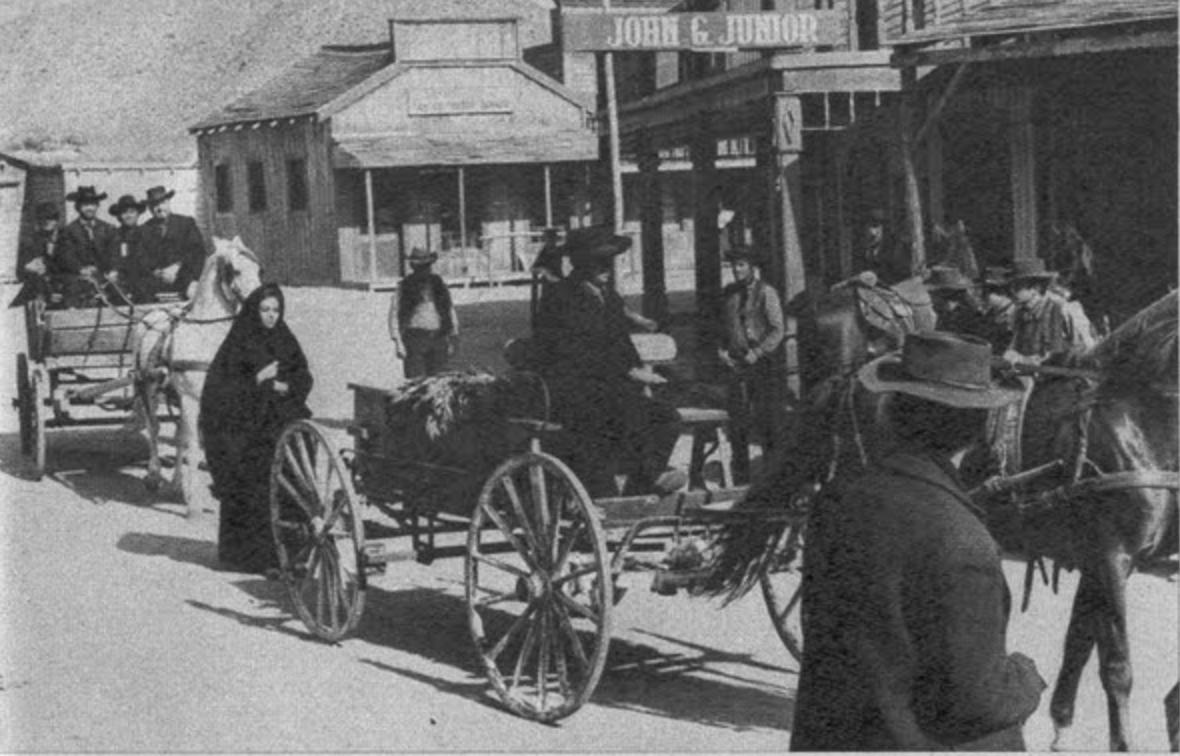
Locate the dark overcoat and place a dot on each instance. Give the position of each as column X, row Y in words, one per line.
column 905, row 611
column 175, row 239
column 81, row 247
column 34, row 245
column 126, row 255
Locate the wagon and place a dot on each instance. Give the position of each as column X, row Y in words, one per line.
column 77, row 371
column 542, row 558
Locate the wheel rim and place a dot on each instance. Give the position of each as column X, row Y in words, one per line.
column 40, row 392
column 782, row 588
column 24, row 400
column 538, row 587
column 317, row 529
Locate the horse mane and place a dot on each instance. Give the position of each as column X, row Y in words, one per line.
column 1142, row 352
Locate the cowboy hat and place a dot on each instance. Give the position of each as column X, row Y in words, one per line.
column 941, row 367
column 419, row 256
column 125, row 203
column 594, row 245
column 85, row 195
column 995, row 275
column 742, row 252
column 47, row 211
column 1030, row 268
column 946, row 278
column 876, row 215
column 158, row 194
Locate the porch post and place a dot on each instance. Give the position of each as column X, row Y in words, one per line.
column 913, row 193
column 548, row 197
column 1024, row 169
column 369, row 209
column 706, row 239
column 651, row 209
column 786, row 270
column 462, row 211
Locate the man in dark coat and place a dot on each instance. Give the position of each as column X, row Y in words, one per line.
column 38, row 262
column 84, row 244
column 596, row 375
column 880, row 252
column 905, row 607
column 172, row 246
column 128, row 270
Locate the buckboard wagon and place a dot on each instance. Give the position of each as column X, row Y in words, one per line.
column 77, row 371
column 541, row 556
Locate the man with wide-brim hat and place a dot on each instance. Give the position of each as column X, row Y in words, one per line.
column 84, row 244
column 753, row 328
column 129, row 272
column 955, row 306
column 585, row 353
column 422, row 320
column 38, row 264
column 173, row 249
column 904, row 600
column 1040, row 325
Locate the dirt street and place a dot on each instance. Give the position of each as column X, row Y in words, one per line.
column 120, row 633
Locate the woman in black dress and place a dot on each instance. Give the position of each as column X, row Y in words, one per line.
column 258, row 381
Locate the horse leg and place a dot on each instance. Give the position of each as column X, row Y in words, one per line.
column 1079, row 642
column 148, row 392
column 1114, row 652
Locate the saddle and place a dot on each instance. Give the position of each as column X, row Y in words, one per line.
column 903, row 308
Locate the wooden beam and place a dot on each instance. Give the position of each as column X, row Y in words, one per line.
column 462, row 178
column 548, row 197
column 913, row 193
column 612, row 120
column 936, row 111
column 1039, row 49
column 372, row 224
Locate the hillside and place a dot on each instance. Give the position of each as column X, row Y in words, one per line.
column 122, row 79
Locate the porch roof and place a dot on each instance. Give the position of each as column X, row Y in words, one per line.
column 393, row 150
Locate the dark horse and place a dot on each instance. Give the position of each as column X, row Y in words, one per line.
column 1109, row 508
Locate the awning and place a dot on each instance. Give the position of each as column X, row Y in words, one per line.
column 389, row 151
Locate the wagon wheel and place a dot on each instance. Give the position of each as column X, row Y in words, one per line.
column 318, row 531
column 39, row 385
column 24, row 403
column 539, row 610
column 782, row 587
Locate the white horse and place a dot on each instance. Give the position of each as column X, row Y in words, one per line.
column 173, row 349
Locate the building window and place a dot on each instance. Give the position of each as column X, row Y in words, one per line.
column 297, row 184
column 224, row 186
column 256, row 181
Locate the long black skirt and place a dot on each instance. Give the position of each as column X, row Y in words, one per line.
column 240, row 466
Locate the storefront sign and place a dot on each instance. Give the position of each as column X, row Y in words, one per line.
column 460, row 101
column 623, row 32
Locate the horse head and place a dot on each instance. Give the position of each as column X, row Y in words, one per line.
column 230, row 274
column 952, row 247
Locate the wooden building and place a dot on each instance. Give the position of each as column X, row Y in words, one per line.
column 1033, row 116
column 443, row 138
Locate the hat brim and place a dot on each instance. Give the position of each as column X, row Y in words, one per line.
column 947, row 287
column 117, row 210
column 162, row 198
column 87, row 198
column 428, row 260
column 885, row 374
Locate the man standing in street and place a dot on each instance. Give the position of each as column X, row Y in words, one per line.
column 754, row 331
column 423, row 323
column 905, row 606
column 84, row 243
column 172, row 246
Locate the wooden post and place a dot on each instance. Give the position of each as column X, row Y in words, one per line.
column 913, row 195
column 935, row 191
column 1022, row 143
column 548, row 197
column 786, row 270
column 372, row 216
column 706, row 239
column 843, row 231
column 462, row 211
column 651, row 209
column 612, row 120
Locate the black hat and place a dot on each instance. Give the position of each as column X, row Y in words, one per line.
column 1030, row 269
column 47, row 211
column 941, row 367
column 996, row 275
column 876, row 215
column 419, row 256
column 156, row 195
column 594, row 245
column 86, row 195
column 742, row 252
column 125, row 203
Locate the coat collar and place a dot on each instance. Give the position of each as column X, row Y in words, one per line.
column 923, row 467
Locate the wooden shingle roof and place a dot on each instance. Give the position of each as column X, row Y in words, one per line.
column 303, row 88
column 1009, row 17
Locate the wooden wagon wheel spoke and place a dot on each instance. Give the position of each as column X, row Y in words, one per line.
column 540, row 500
column 576, row 608
column 500, row 565
column 496, row 598
column 526, row 650
column 571, row 633
column 295, row 494
column 290, row 451
column 509, row 487
column 782, row 588
column 563, row 673
column 518, row 623
column 574, row 575
column 543, row 659
column 508, row 533
column 567, row 545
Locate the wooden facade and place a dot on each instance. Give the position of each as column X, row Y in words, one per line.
column 444, row 139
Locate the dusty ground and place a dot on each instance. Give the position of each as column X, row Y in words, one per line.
column 120, row 633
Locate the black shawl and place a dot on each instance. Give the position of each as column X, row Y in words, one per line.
column 232, row 400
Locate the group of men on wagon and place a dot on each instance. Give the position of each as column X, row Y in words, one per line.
column 89, row 259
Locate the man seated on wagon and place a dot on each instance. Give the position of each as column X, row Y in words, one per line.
column 84, row 244
column 173, row 247
column 1042, row 326
column 38, row 260
column 128, row 273
column 585, row 353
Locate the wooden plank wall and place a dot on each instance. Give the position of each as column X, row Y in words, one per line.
column 296, row 247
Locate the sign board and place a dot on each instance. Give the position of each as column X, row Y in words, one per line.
column 460, row 101
column 624, row 32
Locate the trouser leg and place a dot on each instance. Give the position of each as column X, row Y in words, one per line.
column 739, row 430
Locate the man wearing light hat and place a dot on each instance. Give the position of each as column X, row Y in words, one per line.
column 1041, row 324
column 905, row 605
column 173, row 248
column 423, row 323
column 597, row 379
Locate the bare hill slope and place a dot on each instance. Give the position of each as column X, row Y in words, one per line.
column 122, row 79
